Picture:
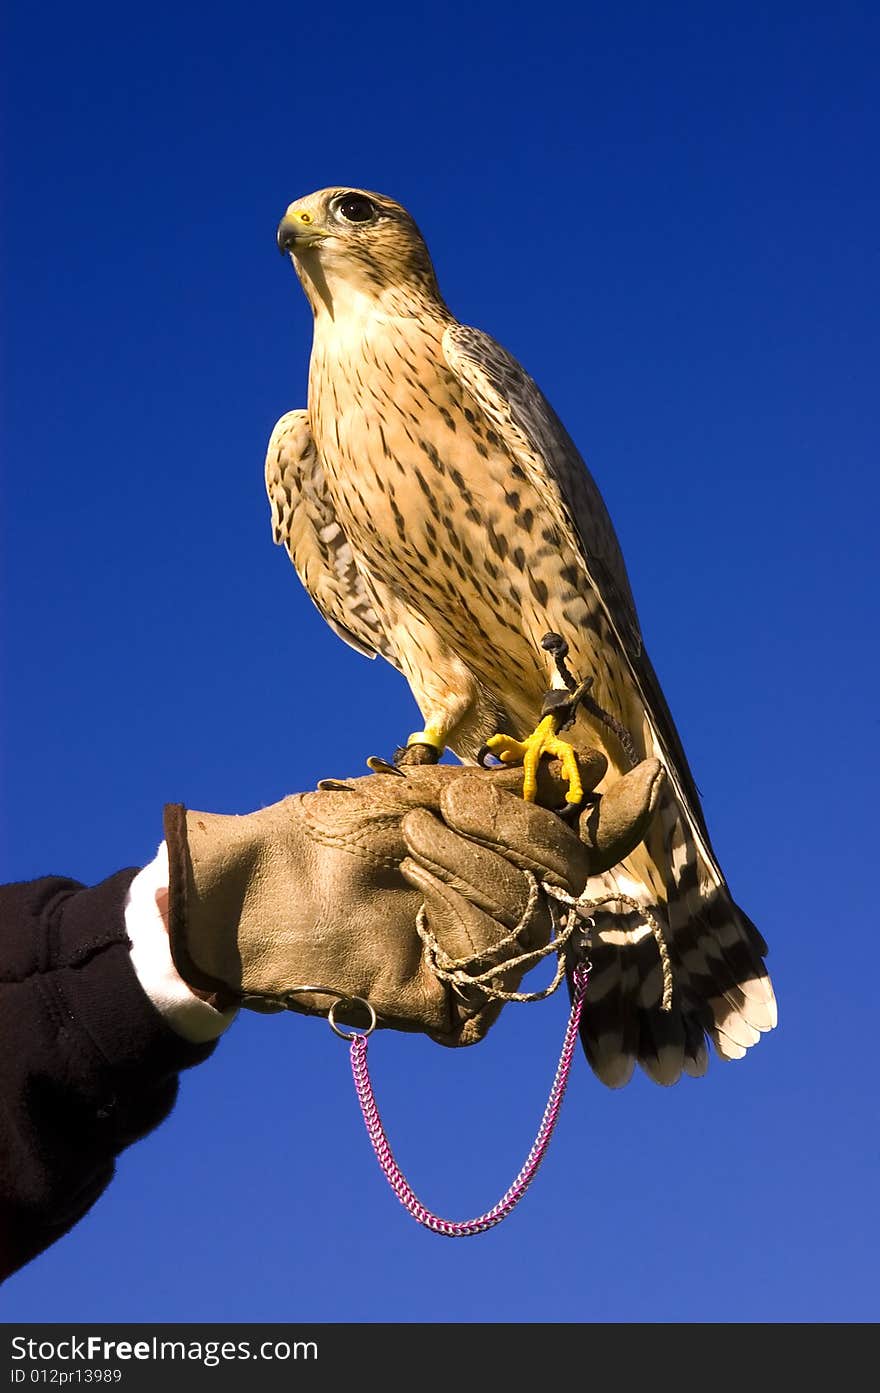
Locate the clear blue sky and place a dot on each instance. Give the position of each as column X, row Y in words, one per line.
column 669, row 213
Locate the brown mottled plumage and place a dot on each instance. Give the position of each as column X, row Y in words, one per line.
column 438, row 513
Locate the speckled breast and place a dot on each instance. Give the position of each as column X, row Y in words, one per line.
column 434, row 505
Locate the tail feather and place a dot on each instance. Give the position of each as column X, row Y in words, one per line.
column 696, row 1054
column 720, row 985
column 662, row 1045
column 610, row 1023
column 623, row 1022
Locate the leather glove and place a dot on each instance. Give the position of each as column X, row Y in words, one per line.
column 326, row 887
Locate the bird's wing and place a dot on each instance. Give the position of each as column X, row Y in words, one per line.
column 304, row 521
column 721, row 981
column 537, row 440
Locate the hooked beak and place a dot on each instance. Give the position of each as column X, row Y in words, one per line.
column 294, row 234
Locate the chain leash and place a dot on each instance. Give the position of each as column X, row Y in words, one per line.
column 467, row 1228
column 569, row 941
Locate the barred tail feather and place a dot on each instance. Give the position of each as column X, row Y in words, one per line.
column 717, row 949
column 720, row 985
column 610, row 1022
column 623, row 1021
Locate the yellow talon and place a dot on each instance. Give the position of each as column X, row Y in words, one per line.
column 542, row 741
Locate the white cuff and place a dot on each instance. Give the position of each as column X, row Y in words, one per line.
column 146, row 923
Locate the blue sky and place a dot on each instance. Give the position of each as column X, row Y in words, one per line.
column 670, row 215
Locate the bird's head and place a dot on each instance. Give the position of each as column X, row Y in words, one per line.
column 352, row 248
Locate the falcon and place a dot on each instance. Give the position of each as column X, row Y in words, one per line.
column 438, row 513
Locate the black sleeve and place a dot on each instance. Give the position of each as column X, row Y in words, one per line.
column 87, row 1064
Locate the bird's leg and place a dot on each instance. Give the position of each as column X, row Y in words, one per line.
column 423, row 747
column 558, row 711
column 444, row 688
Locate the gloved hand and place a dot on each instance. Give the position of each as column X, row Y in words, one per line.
column 326, row 887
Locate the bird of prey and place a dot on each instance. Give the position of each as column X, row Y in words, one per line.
column 439, row 514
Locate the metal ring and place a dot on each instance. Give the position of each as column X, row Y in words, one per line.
column 352, row 1034
column 342, row 999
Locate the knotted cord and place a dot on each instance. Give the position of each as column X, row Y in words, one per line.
column 466, row 973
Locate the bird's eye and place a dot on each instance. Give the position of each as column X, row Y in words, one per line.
column 355, row 208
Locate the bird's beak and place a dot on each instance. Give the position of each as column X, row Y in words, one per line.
column 296, row 231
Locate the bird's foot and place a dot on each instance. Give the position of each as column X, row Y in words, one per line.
column 558, row 711
column 542, row 741
column 424, row 747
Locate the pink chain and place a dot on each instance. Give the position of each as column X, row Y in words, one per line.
column 514, row 1194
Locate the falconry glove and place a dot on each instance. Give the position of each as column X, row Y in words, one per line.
column 327, row 887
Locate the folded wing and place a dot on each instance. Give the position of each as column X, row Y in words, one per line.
column 304, row 521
